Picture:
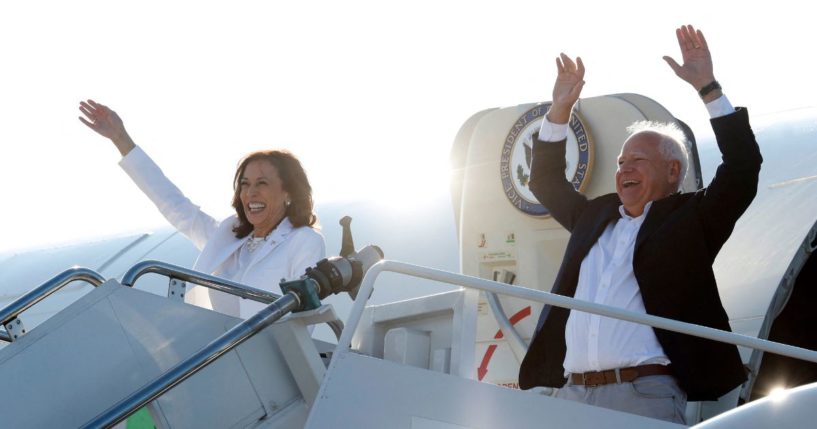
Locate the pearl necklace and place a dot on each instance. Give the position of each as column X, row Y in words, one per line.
column 255, row 242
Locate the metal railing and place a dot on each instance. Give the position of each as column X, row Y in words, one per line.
column 209, row 281
column 367, row 286
column 8, row 315
column 190, row 366
column 206, row 280
column 290, row 301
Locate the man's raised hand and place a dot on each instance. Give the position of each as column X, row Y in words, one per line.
column 567, row 88
column 697, row 67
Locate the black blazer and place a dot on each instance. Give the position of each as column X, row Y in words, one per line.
column 673, row 257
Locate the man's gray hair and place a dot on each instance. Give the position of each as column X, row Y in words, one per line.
column 673, row 144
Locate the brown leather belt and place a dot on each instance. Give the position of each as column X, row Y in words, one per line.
column 619, row 375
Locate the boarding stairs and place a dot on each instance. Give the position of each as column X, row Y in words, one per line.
column 116, row 339
column 401, row 365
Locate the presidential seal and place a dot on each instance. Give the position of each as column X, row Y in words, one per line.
column 517, row 152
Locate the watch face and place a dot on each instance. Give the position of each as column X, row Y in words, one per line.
column 517, row 153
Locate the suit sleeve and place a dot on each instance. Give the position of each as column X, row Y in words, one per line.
column 735, row 183
column 549, row 185
column 185, row 216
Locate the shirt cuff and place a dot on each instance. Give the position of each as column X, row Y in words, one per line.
column 551, row 132
column 132, row 159
column 719, row 107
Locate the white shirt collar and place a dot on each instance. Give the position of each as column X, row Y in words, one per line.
column 638, row 219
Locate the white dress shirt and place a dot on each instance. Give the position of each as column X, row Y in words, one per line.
column 596, row 343
column 606, row 277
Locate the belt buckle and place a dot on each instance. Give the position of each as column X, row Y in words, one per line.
column 586, row 379
column 601, row 378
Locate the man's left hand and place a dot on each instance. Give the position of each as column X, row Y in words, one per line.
column 697, row 67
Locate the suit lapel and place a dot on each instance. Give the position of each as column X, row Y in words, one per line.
column 278, row 236
column 658, row 213
column 608, row 213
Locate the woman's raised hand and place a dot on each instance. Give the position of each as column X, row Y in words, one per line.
column 107, row 123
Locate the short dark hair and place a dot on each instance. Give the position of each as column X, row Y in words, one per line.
column 295, row 183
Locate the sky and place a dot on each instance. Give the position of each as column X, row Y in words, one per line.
column 368, row 94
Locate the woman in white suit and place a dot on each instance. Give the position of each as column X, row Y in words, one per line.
column 271, row 237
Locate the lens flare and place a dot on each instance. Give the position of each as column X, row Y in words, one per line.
column 778, row 393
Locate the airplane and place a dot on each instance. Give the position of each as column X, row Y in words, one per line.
column 453, row 351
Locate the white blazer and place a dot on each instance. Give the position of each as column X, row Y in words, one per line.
column 284, row 255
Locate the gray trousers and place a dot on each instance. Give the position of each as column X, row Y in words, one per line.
column 656, row 396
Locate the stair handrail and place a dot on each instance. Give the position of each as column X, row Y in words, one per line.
column 208, row 281
column 199, row 278
column 367, row 287
column 32, row 297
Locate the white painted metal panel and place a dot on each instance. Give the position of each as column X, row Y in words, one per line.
column 365, row 392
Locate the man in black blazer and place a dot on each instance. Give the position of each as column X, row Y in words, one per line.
column 647, row 248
